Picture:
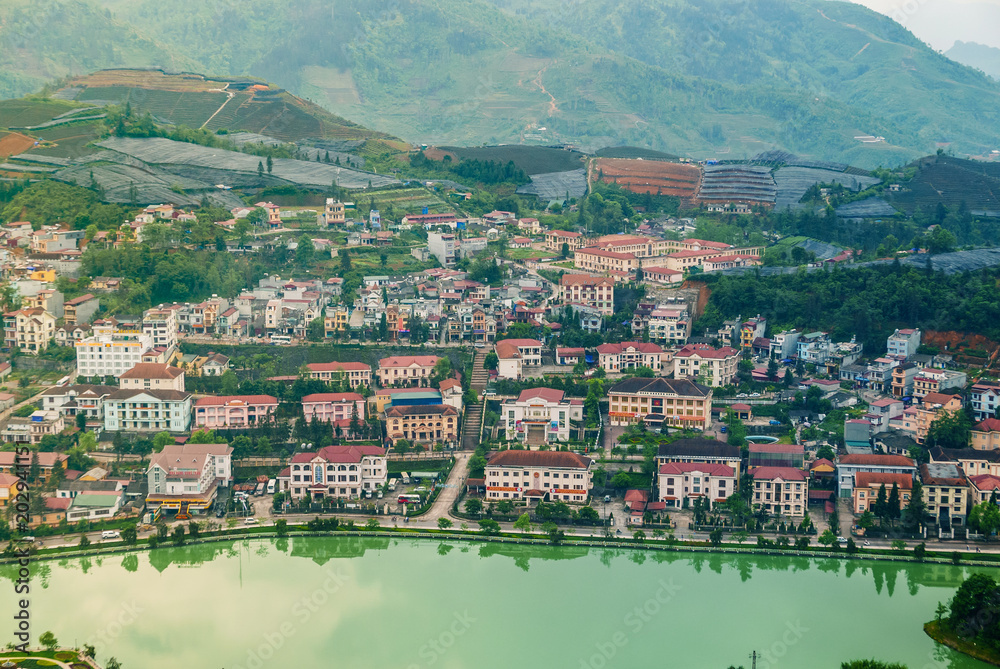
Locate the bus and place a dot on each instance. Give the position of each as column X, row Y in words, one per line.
column 281, row 340
column 408, row 499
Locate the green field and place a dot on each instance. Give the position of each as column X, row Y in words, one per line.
column 22, row 113
column 531, row 159
column 633, row 152
column 527, row 254
column 71, row 139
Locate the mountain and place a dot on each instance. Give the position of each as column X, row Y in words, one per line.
column 708, row 79
column 979, row 56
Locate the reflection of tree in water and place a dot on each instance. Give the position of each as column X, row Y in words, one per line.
column 85, row 565
column 281, row 544
column 131, row 562
column 521, row 562
column 40, row 573
column 444, row 549
column 638, row 557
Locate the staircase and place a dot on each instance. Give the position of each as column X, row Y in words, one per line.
column 472, row 426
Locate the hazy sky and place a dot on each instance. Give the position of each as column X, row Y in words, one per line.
column 941, row 22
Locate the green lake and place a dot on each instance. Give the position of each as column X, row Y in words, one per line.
column 379, row 603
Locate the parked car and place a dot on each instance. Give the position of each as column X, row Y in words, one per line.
column 250, row 521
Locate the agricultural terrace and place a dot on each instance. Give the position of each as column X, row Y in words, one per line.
column 531, row 159
column 650, row 176
column 26, row 113
column 13, row 143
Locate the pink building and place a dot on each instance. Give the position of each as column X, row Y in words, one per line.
column 330, row 407
column 233, row 410
column 681, row 482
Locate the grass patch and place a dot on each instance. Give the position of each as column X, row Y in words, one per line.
column 527, row 254
column 940, row 633
column 568, row 264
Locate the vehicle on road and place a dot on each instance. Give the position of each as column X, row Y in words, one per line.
column 842, row 541
column 270, row 486
column 408, row 499
column 250, row 521
column 111, row 534
column 392, row 484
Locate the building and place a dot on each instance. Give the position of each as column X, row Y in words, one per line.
column 903, row 343
column 29, row 330
column 214, row 364
column 713, row 367
column 335, row 471
column 929, row 381
column 785, row 345
column 234, row 411
column 903, row 378
column 669, row 324
column 681, row 483
column 660, row 402
column 569, row 356
column 442, row 246
column 932, row 406
column 849, row 466
column 814, row 347
column 539, row 475
column 186, row 478
column 781, row 491
column 518, row 358
column 751, row 330
column 776, row 455
column 32, row 429
column 867, row 486
column 701, row 452
column 386, row 397
column 554, row 240
column 423, row 424
column 945, row 492
column 333, row 407
column 984, row 399
column 355, row 373
column 982, row 488
column 10, row 463
column 972, row 462
column 986, row 435
column 406, row 370
column 93, row 506
column 152, row 376
column 78, row 399
column 49, row 300
column 80, row 310
column 540, row 415
column 593, row 291
column 148, row 411
column 160, row 325
column 333, row 214
column 630, row 355
column 111, row 353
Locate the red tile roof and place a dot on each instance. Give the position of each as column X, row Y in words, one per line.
column 876, row 479
column 547, row 394
column 398, row 361
column 338, row 367
column 558, row 459
column 710, row 468
column 783, row 473
column 332, row 397
column 985, row 482
column 348, row 453
column 508, row 348
column 938, row 398
column 152, row 370
column 876, row 460
column 988, row 425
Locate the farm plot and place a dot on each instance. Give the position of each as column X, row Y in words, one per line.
column 951, row 184
column 737, row 183
column 150, row 185
column 650, row 176
column 633, row 152
column 22, row 113
column 67, row 141
column 14, row 143
column 159, row 151
column 793, row 182
column 556, row 185
column 531, row 159
column 872, row 207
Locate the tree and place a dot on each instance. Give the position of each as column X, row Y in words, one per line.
column 504, row 507
column 81, row 421
column 715, row 537
column 916, row 510
column 372, row 524
column 163, row 438
column 985, row 517
column 892, row 505
column 492, row 361
column 639, row 536
column 441, row 371
column 48, row 639
column 523, row 523
column 444, row 523
column 177, row 536
column 130, row 536
column 565, row 250
column 556, row 535
column 473, row 506
column 34, row 469
column 866, row 521
column 489, row 527
column 230, row 384
column 920, row 550
column 345, row 261
column 304, row 251
column 621, row 480
column 270, row 164
column 260, row 169
column 950, row 429
column 827, row 538
column 84, row 541
column 316, row 330
column 589, row 514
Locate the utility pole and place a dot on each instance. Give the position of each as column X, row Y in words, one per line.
column 753, row 657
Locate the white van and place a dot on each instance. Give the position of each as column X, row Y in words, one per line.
column 270, row 486
column 406, row 477
column 392, row 484
column 111, row 534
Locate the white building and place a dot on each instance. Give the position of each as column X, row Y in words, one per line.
column 517, row 357
column 669, row 324
column 186, row 477
column 540, row 415
column 442, row 246
column 148, row 411
column 681, row 482
column 111, row 354
column 334, row 471
column 160, row 325
column 538, row 475
column 79, row 399
column 784, row 345
column 715, row 367
column 903, row 343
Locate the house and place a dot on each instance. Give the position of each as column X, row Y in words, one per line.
column 234, row 411
column 984, row 399
column 660, row 402
column 848, row 466
column 932, row 406
column 868, row 484
column 554, row 240
column 388, row 397
column 903, row 343
column 152, row 376
column 929, row 381
column 344, row 472
column 8, row 488
column 333, row 407
column 972, row 462
column 355, row 373
column 442, row 246
column 662, row 276
column 160, row 325
column 80, row 310
column 680, row 483
column 781, row 491
column 903, row 378
column 148, row 411
column 945, row 493
column 713, row 367
column 519, row 243
column 669, row 324
column 630, row 355
column 518, row 358
column 569, row 356
column 70, row 335
column 593, row 291
column 49, row 300
column 986, row 435
column 422, row 424
column 215, row 364
column 93, row 506
column 10, row 463
column 333, row 214
column 540, row 415
column 880, row 412
column 186, row 477
column 406, row 370
column 77, row 399
column 32, row 429
column 742, row 411
column 29, row 330
column 700, row 451
column 784, row 345
column 539, row 475
column 982, row 488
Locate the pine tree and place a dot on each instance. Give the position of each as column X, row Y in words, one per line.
column 881, row 509
column 270, row 164
column 260, row 169
column 892, row 506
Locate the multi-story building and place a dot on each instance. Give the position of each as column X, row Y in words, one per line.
column 669, row 324
column 10, row 462
column 355, row 373
column 422, row 424
column 111, row 353
column 784, row 345
column 49, row 300
column 186, row 477
column 406, row 370
column 848, row 466
column 32, row 429
column 80, row 310
column 781, row 491
column 160, row 325
column 554, row 240
column 986, row 435
column 713, row 367
column 658, row 401
column 334, row 471
column 30, row 330
column 903, row 343
column 984, row 400
column 593, row 291
column 931, row 407
column 681, row 483
column 333, row 407
column 152, row 376
column 982, row 488
column 702, row 452
column 333, row 214
column 79, row 399
column 814, row 347
column 148, row 411
column 630, row 355
column 234, row 411
column 442, row 246
column 540, row 415
column 518, row 357
column 971, row 461
column 867, row 485
column 538, row 475
column 930, row 380
column 945, row 493
column 903, row 378
column 750, row 330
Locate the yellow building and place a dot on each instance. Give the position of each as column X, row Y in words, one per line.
column 33, row 329
column 932, row 406
column 986, row 435
column 945, row 492
column 659, row 401
column 422, row 423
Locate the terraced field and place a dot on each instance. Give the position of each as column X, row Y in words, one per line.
column 13, row 143
column 650, row 176
column 67, row 141
column 21, row 113
column 531, row 159
column 951, row 182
